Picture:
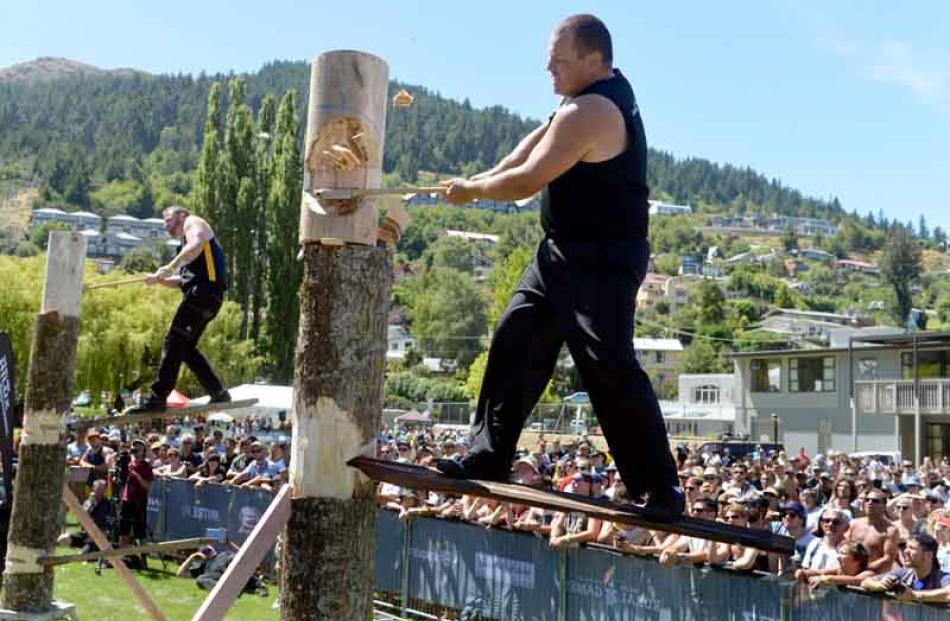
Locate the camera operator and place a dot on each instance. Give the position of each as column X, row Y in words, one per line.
column 137, row 478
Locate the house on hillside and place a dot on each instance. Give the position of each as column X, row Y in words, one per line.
column 706, row 405
column 814, row 254
column 652, row 289
column 860, row 267
column 806, row 325
column 659, row 358
column 870, row 391
column 75, row 220
column 806, row 227
column 667, row 209
column 399, row 342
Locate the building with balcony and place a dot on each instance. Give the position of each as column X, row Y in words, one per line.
column 877, row 391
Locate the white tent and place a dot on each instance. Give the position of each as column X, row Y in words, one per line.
column 271, row 400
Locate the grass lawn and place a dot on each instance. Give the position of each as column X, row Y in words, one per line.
column 106, row 598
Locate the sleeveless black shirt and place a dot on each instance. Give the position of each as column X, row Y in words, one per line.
column 207, row 268
column 603, row 200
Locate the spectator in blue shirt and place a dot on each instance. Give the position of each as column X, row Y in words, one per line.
column 921, row 580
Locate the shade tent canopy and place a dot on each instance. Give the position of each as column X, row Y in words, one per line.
column 412, row 417
column 176, row 400
column 271, row 400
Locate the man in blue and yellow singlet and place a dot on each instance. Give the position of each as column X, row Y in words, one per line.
column 589, row 163
column 198, row 269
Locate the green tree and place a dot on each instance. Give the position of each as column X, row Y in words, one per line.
column 39, row 236
column 504, row 279
column 703, row 357
column 900, row 267
column 284, row 272
column 710, row 301
column 204, row 197
column 448, row 316
column 789, row 239
column 452, row 252
column 266, row 119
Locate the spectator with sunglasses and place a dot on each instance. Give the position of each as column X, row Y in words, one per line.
column 692, row 550
column 821, row 555
column 907, row 524
column 876, row 532
column 731, row 555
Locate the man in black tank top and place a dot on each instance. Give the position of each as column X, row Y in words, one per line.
column 198, row 269
column 589, row 163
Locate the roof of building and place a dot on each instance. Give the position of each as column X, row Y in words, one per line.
column 473, row 236
column 651, row 344
column 855, row 263
column 127, row 237
column 89, row 233
column 154, row 221
column 50, row 210
column 655, row 279
column 86, row 214
column 123, row 218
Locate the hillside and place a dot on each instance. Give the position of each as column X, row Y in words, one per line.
column 49, row 68
column 112, row 121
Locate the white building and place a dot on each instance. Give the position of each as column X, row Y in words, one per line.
column 667, row 209
column 399, row 342
column 706, row 405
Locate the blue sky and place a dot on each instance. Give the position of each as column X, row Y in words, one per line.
column 847, row 98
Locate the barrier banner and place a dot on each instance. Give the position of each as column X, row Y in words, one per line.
column 486, row 574
column 245, row 508
column 499, row 575
column 8, row 417
column 388, row 559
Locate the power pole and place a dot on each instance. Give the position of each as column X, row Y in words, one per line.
column 327, row 556
column 38, row 489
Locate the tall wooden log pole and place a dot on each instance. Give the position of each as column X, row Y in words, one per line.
column 327, row 556
column 38, row 488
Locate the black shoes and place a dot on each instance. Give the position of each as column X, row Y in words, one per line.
column 222, row 397
column 664, row 507
column 151, row 404
column 473, row 466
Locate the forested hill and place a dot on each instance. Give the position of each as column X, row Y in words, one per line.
column 138, row 127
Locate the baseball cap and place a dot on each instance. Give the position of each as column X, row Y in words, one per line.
column 796, row 507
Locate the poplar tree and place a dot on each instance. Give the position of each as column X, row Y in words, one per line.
column 284, row 272
column 204, row 202
column 241, row 202
column 266, row 117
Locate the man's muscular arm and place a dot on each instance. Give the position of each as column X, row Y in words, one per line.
column 519, row 155
column 197, row 232
column 571, row 135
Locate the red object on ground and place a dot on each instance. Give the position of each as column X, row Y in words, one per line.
column 176, row 400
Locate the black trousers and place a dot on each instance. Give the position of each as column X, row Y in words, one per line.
column 582, row 293
column 200, row 304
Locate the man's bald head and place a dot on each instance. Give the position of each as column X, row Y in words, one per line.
column 589, row 35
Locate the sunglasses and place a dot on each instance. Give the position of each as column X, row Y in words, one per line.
column 831, row 521
column 875, row 501
column 790, row 514
column 690, row 488
column 903, row 507
column 733, row 516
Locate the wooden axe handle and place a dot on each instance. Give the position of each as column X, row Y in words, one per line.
column 113, row 283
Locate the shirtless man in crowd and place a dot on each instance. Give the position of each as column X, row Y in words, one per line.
column 877, row 533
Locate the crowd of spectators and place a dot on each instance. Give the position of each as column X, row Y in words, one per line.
column 856, row 521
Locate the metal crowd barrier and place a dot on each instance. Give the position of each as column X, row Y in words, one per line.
column 440, row 568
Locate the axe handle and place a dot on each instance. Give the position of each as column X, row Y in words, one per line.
column 113, row 283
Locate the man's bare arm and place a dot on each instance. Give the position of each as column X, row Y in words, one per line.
column 519, row 155
column 570, row 137
column 197, row 232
